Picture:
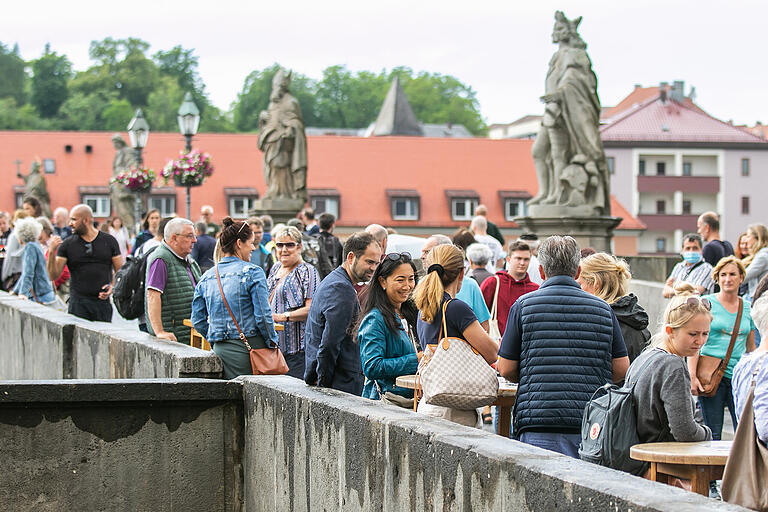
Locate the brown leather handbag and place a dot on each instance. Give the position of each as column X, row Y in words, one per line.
column 264, row 361
column 710, row 370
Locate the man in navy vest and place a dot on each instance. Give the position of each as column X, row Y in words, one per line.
column 561, row 344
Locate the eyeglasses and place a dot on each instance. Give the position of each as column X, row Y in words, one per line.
column 191, row 236
column 695, row 301
column 89, row 248
column 395, row 256
column 287, row 245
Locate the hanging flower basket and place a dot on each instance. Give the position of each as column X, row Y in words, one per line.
column 189, row 170
column 136, row 179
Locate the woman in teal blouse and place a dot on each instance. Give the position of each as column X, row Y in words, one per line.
column 729, row 274
column 386, row 334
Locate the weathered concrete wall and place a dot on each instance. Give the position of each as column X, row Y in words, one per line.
column 37, row 342
column 652, row 268
column 161, row 445
column 649, row 296
column 308, row 449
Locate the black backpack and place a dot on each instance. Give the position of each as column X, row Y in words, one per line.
column 128, row 292
column 609, row 427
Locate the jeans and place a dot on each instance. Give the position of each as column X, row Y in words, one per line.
column 496, row 422
column 295, row 364
column 712, row 408
column 567, row 444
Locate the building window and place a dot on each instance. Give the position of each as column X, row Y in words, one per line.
column 687, row 168
column 611, row 163
column 99, row 204
column 239, row 206
column 513, row 208
column 166, row 205
column 661, row 168
column 641, row 167
column 745, row 205
column 686, row 206
column 324, row 204
column 661, row 245
column 49, row 166
column 19, row 200
column 661, row 207
column 745, row 166
column 463, row 208
column 405, row 208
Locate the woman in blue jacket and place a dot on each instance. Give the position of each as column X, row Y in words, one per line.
column 245, row 288
column 387, row 332
column 33, row 283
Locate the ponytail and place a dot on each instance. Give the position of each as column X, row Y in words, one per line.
column 445, row 264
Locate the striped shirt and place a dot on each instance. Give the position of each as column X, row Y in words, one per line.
column 288, row 294
column 699, row 274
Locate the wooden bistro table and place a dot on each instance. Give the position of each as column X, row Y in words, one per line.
column 505, row 400
column 698, row 462
column 196, row 339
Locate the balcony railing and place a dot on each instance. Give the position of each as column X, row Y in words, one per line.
column 669, row 222
column 687, row 184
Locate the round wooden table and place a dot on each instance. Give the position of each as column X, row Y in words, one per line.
column 505, row 400
column 698, row 462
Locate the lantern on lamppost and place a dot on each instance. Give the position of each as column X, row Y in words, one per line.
column 138, row 132
column 189, row 121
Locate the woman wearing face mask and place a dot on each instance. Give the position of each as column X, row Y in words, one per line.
column 387, row 331
column 729, row 274
column 245, row 288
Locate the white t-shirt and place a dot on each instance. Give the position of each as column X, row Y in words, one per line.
column 496, row 249
column 533, row 270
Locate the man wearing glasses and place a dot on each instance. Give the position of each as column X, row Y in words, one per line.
column 171, row 279
column 91, row 256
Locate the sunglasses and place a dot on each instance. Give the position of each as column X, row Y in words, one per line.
column 89, row 248
column 394, row 256
column 695, row 301
column 287, row 245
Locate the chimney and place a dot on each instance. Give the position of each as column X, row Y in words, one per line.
column 638, row 86
column 663, row 91
column 677, row 93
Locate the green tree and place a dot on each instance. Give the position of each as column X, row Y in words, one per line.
column 50, row 74
column 84, row 111
column 254, row 97
column 163, row 105
column 12, row 75
column 345, row 100
column 116, row 116
column 25, row 117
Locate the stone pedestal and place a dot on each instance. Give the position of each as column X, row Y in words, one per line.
column 281, row 210
column 589, row 231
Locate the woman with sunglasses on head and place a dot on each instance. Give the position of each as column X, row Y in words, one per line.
column 291, row 285
column 245, row 288
column 728, row 274
column 150, row 228
column 387, row 329
column 445, row 274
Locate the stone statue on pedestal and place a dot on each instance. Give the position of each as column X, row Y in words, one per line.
column 36, row 187
column 284, row 143
column 123, row 200
column 568, row 152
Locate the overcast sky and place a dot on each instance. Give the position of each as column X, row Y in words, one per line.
column 500, row 48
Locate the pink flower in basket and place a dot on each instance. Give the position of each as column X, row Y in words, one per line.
column 189, row 169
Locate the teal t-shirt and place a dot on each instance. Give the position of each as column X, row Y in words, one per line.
column 471, row 295
column 720, row 333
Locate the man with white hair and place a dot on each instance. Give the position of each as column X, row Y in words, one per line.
column 479, row 227
column 171, row 278
column 60, row 219
column 206, row 215
column 379, row 233
column 91, row 256
column 470, row 292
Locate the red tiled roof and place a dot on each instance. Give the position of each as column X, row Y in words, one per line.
column 360, row 170
column 637, row 98
column 671, row 121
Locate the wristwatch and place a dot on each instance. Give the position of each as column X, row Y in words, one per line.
column 287, row 316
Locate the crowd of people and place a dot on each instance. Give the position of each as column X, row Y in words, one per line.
column 555, row 318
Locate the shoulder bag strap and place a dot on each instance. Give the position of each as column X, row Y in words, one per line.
column 734, row 335
column 693, row 267
column 495, row 306
column 221, row 290
column 443, row 327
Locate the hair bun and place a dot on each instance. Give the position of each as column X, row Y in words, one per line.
column 227, row 222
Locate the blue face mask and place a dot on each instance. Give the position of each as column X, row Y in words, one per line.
column 692, row 257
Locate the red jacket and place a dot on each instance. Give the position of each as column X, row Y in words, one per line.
column 509, row 292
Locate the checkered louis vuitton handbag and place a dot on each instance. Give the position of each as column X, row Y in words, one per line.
column 456, row 375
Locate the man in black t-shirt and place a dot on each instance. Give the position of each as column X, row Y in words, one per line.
column 708, row 226
column 91, row 256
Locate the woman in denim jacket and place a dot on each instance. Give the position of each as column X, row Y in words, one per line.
column 33, row 283
column 245, row 288
column 388, row 346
